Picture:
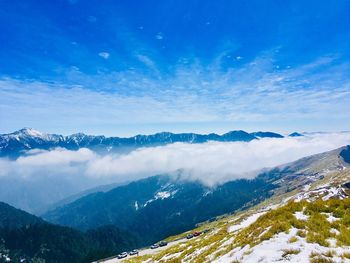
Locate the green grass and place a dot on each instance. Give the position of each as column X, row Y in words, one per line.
column 301, row 233
column 275, row 221
column 287, row 252
column 315, row 229
column 319, row 258
column 293, row 239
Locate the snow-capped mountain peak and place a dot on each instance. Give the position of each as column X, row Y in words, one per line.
column 30, row 132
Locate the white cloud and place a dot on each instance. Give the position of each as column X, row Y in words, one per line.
column 311, row 97
column 159, row 36
column 210, row 163
column 147, row 62
column 104, row 55
column 59, row 156
column 215, row 162
column 41, row 163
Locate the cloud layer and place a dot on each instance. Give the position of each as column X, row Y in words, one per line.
column 211, row 163
column 36, row 181
column 215, row 162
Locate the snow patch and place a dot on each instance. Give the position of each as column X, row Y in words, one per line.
column 246, row 222
column 326, row 192
column 162, row 195
column 300, row 216
column 331, row 218
column 33, row 132
column 306, row 187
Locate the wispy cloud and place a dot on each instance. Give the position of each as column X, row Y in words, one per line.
column 159, row 36
column 311, row 96
column 104, row 55
column 148, row 62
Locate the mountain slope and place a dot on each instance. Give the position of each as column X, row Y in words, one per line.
column 12, row 218
column 266, row 135
column 72, row 198
column 311, row 223
column 13, row 144
column 24, row 236
column 295, row 134
column 159, row 206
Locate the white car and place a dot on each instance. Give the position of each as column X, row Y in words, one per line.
column 154, row 246
column 133, row 252
column 122, row 255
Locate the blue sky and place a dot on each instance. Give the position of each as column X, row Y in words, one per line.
column 129, row 67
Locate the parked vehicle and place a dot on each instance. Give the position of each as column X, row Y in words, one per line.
column 163, row 243
column 133, row 252
column 197, row 233
column 189, row 236
column 205, row 231
column 122, row 255
column 154, row 246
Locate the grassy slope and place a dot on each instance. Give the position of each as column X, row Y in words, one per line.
column 281, row 219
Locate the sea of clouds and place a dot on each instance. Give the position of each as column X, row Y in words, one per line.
column 38, row 180
column 211, row 163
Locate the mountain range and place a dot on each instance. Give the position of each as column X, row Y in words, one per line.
column 16, row 143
